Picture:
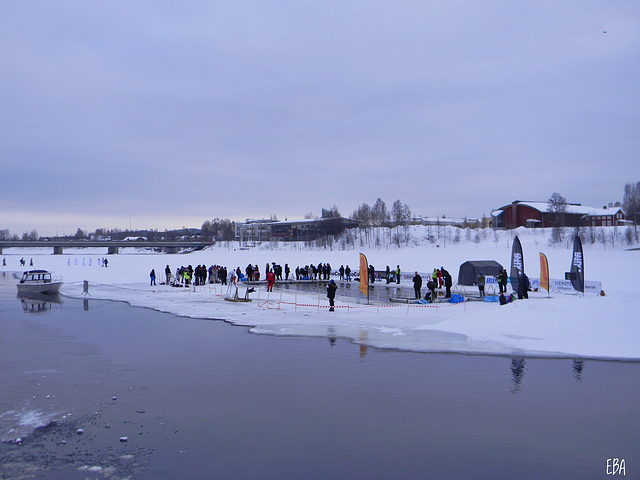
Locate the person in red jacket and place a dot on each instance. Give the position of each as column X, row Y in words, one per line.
column 271, row 279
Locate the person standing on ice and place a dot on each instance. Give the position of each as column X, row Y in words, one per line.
column 499, row 280
column 271, row 279
column 387, row 274
column 523, row 287
column 331, row 293
column 398, row 274
column 417, row 285
column 448, row 281
column 152, row 275
column 503, row 280
column 481, row 281
column 347, row 272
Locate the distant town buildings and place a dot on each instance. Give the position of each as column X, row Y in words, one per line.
column 256, row 231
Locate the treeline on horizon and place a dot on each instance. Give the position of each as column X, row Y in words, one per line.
column 376, row 215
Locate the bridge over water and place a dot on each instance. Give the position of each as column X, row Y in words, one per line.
column 113, row 246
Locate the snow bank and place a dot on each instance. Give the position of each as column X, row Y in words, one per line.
column 589, row 326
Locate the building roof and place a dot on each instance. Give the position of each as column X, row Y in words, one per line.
column 572, row 208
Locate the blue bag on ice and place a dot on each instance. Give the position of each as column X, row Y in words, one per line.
column 456, row 298
column 491, row 298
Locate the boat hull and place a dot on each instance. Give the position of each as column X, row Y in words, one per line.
column 48, row 288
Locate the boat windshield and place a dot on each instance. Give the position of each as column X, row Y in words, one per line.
column 36, row 277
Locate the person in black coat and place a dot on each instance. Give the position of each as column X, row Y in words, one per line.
column 417, row 285
column 448, row 282
column 249, row 272
column 523, row 287
column 331, row 293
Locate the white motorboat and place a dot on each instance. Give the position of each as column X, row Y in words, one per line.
column 38, row 281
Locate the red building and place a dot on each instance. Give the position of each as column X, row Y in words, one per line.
column 535, row 214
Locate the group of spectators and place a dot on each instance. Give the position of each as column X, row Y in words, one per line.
column 252, row 273
column 314, row 272
column 185, row 276
column 439, row 278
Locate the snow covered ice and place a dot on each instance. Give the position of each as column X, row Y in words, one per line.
column 589, row 326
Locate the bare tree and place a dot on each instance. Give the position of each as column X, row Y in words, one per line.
column 557, row 206
column 207, row 230
column 31, row 236
column 400, row 215
column 631, row 204
column 363, row 214
column 379, row 213
column 333, row 212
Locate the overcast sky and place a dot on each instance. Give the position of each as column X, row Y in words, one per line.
column 165, row 114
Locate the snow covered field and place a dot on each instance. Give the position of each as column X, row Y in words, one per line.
column 561, row 325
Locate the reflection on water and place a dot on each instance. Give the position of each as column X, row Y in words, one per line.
column 518, row 367
column 331, row 333
column 38, row 302
column 578, row 365
column 364, row 336
column 517, row 374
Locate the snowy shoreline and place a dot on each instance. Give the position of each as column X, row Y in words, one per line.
column 561, row 326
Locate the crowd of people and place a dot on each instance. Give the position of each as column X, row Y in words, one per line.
column 273, row 272
column 200, row 275
column 440, row 278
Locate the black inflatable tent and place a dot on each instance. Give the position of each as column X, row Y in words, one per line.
column 470, row 270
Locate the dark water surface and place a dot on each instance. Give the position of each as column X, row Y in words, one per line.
column 203, row 399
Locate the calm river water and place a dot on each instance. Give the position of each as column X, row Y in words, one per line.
column 203, row 399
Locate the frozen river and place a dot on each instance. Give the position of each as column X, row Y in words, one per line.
column 202, row 399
